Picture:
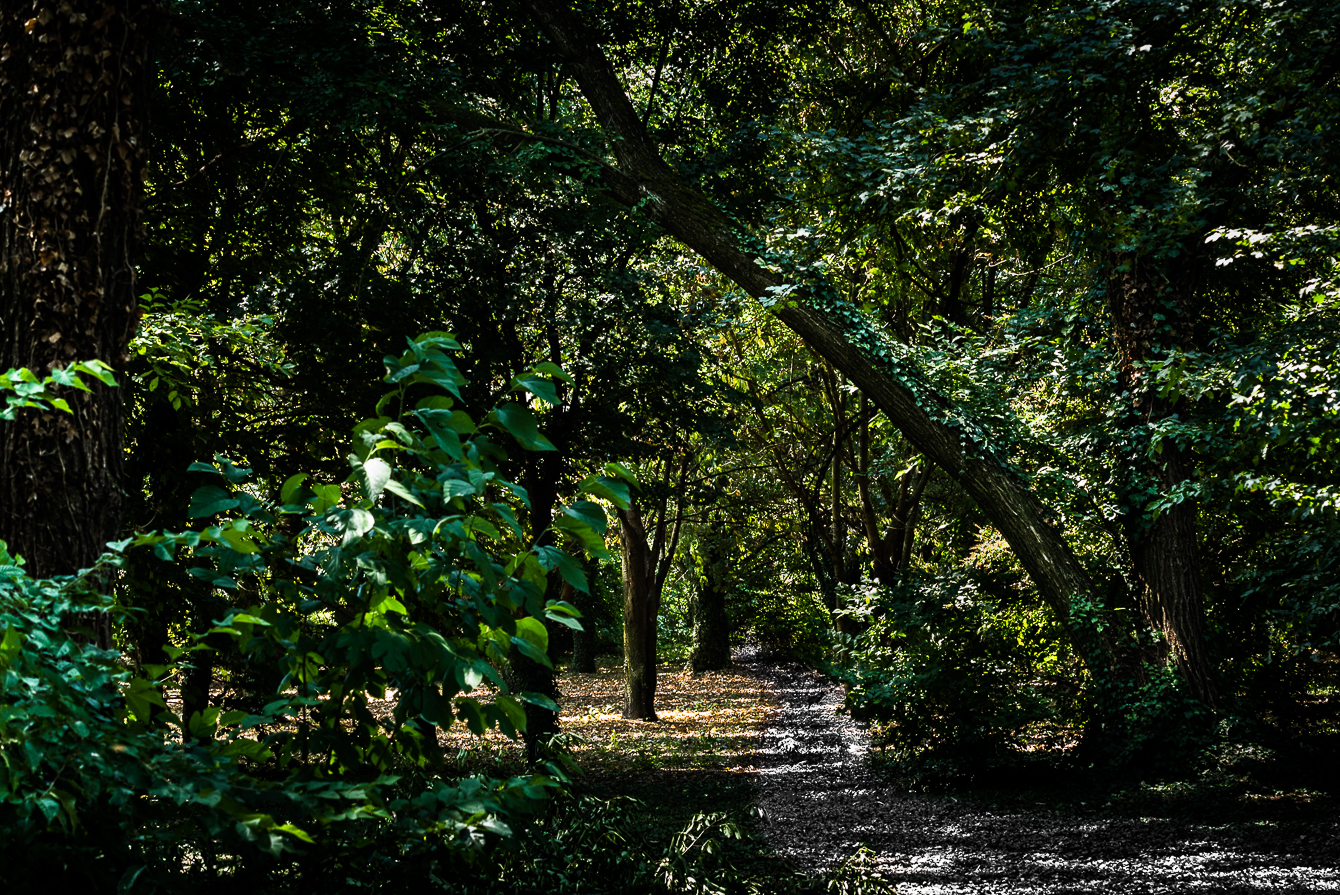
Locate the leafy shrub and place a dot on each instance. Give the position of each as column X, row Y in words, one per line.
column 1146, row 722
column 582, row 844
column 414, row 580
column 936, row 668
column 791, row 621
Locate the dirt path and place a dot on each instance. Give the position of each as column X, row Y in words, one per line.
column 821, row 802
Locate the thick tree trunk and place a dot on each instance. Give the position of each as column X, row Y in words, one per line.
column 1150, row 318
column 72, row 101
column 640, row 608
column 645, row 568
column 584, row 641
column 711, row 627
column 831, row 327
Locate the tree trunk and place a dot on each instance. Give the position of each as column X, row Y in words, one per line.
column 1148, row 320
column 72, row 98
column 711, row 628
column 891, row 547
column 837, row 521
column 543, row 469
column 640, row 607
column 644, row 570
column 584, row 641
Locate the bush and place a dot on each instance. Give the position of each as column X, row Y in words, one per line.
column 791, row 621
column 414, row 577
column 938, row 670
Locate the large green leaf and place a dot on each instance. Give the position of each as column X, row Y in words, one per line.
column 210, row 500
column 518, row 420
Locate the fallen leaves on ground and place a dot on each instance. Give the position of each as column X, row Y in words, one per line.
column 705, row 721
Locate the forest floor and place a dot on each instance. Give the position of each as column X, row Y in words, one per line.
column 764, row 743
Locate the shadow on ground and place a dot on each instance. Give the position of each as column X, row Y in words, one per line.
column 822, row 799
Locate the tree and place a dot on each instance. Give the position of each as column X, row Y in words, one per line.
column 711, row 625
column 72, row 147
column 646, row 563
column 835, row 330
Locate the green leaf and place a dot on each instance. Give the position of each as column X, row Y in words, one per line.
column 511, row 710
column 325, row 498
column 387, row 602
column 472, row 714
column 457, row 488
column 551, row 612
column 213, row 578
column 549, row 368
column 375, row 473
column 539, row 699
column 357, row 522
column 552, row 558
column 210, row 500
column 98, row 370
column 532, row 639
column 590, row 513
column 439, row 424
column 599, row 486
column 402, row 492
column 619, row 471
column 289, row 493
column 591, row 543
column 540, row 388
column 520, row 422
column 239, row 541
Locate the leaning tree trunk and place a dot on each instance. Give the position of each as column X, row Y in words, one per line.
column 833, row 328
column 72, row 125
column 1150, row 317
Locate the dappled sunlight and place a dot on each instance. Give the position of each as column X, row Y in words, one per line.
column 822, row 801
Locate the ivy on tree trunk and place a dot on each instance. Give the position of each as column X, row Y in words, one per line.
column 1151, row 315
column 834, row 329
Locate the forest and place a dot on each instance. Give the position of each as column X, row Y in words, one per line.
column 439, row 435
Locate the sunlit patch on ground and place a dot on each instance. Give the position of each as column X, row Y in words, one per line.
column 707, row 721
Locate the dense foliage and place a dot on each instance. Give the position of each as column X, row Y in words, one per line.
column 1095, row 243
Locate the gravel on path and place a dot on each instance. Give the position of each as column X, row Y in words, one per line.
column 821, row 801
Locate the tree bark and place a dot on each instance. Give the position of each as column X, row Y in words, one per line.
column 640, row 607
column 1150, row 316
column 72, row 125
column 832, row 328
column 891, row 547
column 645, row 568
column 711, row 628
